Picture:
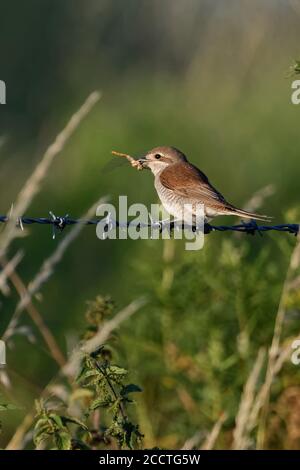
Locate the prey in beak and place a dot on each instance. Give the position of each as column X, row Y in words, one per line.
column 143, row 162
column 135, row 163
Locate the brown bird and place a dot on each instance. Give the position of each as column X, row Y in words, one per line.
column 178, row 182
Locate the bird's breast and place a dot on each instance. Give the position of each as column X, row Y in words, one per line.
column 171, row 202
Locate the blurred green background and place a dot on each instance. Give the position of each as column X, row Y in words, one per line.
column 208, row 77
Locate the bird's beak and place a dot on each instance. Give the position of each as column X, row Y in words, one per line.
column 143, row 161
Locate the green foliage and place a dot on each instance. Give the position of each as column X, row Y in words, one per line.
column 7, row 406
column 112, row 394
column 106, row 387
column 54, row 428
column 200, row 333
column 107, row 380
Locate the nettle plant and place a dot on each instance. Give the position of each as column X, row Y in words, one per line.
column 110, row 392
column 100, row 396
column 53, row 430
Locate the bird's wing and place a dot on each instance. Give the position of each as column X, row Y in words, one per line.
column 188, row 181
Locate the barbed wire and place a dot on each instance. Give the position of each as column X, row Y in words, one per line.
column 59, row 223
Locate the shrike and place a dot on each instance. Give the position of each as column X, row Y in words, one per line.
column 179, row 183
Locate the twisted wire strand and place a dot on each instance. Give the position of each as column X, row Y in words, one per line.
column 59, row 223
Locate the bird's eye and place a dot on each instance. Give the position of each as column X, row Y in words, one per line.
column 157, row 156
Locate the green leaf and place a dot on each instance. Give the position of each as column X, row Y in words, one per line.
column 115, row 370
column 42, row 432
column 42, row 423
column 63, row 440
column 88, row 373
column 7, row 406
column 39, row 438
column 100, row 403
column 56, row 419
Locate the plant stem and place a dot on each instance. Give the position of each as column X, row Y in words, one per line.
column 103, row 372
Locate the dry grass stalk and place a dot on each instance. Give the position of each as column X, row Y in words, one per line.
column 274, row 351
column 283, row 356
column 240, row 437
column 276, row 357
column 7, row 269
column 32, row 186
column 193, row 441
column 258, row 198
column 47, row 335
column 214, row 434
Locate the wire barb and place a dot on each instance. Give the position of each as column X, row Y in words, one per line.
column 58, row 223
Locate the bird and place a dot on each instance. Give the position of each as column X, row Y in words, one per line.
column 178, row 183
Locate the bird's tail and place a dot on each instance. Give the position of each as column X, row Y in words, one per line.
column 248, row 215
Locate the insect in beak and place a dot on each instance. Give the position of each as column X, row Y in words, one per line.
column 143, row 161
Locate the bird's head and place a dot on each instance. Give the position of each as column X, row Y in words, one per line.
column 159, row 158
